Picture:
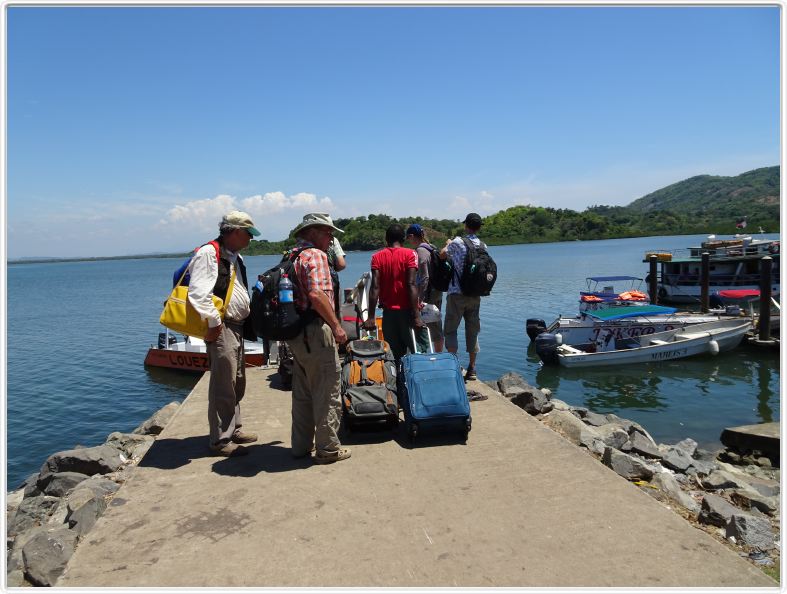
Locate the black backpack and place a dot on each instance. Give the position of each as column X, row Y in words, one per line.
column 271, row 319
column 480, row 271
column 440, row 271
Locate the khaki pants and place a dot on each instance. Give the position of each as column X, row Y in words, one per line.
column 227, row 383
column 460, row 306
column 316, row 403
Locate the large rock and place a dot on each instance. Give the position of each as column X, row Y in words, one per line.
column 101, row 486
column 688, row 445
column 594, row 419
column 750, row 499
column 752, row 531
column 509, row 382
column 642, row 444
column 14, row 557
column 702, row 467
column 30, row 486
column 667, row 483
column 46, row 554
column 721, row 479
column 155, row 424
column 131, row 444
column 570, row 427
column 612, row 435
column 717, row 511
column 531, row 401
column 96, row 460
column 84, row 508
column 12, row 502
column 60, row 483
column 676, row 459
column 626, row 466
column 32, row 511
column 558, row 404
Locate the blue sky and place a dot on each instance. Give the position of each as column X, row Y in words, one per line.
column 131, row 130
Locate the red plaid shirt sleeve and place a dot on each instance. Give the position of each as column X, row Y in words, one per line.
column 313, row 273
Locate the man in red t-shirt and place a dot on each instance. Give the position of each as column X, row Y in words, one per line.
column 393, row 281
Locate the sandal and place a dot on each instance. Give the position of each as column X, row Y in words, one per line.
column 340, row 454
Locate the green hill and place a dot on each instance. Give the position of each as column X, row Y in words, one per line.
column 714, row 201
column 700, row 204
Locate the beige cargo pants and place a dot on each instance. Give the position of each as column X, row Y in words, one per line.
column 316, row 404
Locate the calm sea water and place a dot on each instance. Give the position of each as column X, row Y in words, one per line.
column 78, row 334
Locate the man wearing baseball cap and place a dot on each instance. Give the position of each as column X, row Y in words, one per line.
column 210, row 275
column 416, row 239
column 458, row 305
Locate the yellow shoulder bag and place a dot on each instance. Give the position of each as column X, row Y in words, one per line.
column 179, row 315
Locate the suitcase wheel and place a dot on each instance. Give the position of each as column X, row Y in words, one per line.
column 468, row 426
column 413, row 432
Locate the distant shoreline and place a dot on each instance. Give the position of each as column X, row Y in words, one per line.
column 277, row 252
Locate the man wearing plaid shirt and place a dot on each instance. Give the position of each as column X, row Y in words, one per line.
column 316, row 404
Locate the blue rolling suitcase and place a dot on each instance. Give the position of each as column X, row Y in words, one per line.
column 433, row 393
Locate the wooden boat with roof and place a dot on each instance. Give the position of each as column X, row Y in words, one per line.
column 734, row 265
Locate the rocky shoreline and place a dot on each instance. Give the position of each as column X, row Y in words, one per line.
column 733, row 495
column 53, row 510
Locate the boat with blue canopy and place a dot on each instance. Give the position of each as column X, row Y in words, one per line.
column 608, row 316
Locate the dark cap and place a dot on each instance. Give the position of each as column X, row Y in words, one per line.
column 473, row 220
column 415, row 229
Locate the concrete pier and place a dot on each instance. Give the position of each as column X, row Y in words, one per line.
column 516, row 506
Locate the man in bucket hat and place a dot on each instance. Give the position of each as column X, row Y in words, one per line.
column 316, row 404
column 210, row 275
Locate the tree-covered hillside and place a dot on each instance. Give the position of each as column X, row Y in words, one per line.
column 701, row 204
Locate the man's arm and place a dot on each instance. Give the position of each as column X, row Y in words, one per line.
column 324, row 308
column 204, row 271
column 374, row 293
column 412, row 289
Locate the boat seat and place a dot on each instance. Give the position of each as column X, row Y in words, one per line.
column 659, row 342
column 689, row 336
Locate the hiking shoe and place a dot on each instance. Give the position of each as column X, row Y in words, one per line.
column 341, row 454
column 228, row 450
column 242, row 437
column 470, row 375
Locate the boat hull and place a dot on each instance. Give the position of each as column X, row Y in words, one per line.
column 695, row 343
column 193, row 360
column 604, row 334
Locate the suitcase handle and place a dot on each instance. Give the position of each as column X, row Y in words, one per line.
column 368, row 333
column 415, row 342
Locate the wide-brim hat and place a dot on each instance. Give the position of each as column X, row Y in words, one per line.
column 316, row 219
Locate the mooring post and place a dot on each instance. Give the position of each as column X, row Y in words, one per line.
column 653, row 281
column 704, row 281
column 766, row 264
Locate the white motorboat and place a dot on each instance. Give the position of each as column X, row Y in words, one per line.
column 606, row 317
column 707, row 338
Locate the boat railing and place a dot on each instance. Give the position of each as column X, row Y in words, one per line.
column 739, row 250
column 725, row 280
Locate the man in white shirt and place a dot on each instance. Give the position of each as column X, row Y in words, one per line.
column 458, row 305
column 210, row 275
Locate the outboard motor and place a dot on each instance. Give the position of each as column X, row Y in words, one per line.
column 546, row 348
column 535, row 327
column 732, row 310
column 162, row 340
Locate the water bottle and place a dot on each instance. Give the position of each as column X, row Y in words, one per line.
column 285, row 289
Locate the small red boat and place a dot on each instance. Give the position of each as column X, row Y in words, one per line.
column 190, row 354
